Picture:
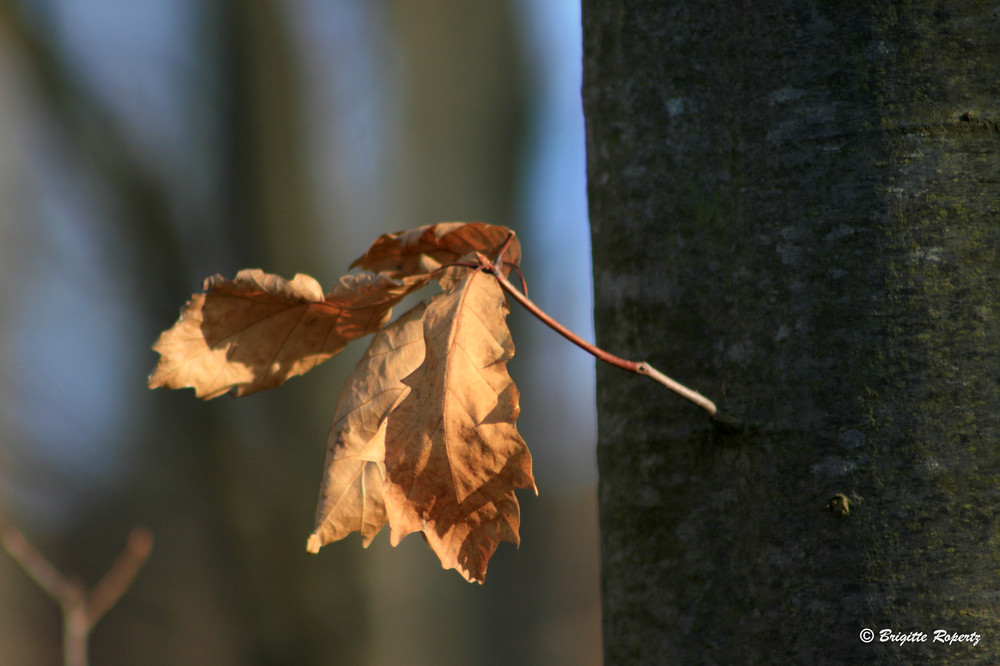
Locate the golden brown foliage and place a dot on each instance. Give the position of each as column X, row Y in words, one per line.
column 257, row 330
column 424, row 434
column 453, row 455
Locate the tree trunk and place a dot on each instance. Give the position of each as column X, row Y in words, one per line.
column 794, row 210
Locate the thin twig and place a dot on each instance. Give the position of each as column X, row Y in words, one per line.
column 675, row 386
column 500, row 261
column 81, row 609
column 641, row 368
column 119, row 577
column 33, row 562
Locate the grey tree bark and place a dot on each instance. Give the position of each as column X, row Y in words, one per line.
column 794, row 209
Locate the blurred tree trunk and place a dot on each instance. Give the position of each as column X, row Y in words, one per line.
column 219, row 481
column 292, row 607
column 266, row 177
column 794, row 208
column 464, row 110
column 461, row 108
column 141, row 219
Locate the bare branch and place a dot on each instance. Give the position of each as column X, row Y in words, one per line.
column 81, row 609
column 36, row 566
column 119, row 577
column 637, row 367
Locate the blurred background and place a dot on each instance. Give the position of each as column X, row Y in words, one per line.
column 146, row 145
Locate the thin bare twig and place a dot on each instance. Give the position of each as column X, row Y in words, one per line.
column 638, row 367
column 81, row 609
column 119, row 577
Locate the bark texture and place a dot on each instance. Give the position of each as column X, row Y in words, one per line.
column 794, row 209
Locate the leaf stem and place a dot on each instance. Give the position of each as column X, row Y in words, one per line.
column 641, row 368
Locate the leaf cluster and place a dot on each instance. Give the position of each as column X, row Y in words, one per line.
column 424, row 434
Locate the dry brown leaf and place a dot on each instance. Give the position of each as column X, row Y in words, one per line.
column 257, row 330
column 424, row 433
column 350, row 498
column 424, row 249
column 453, row 454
